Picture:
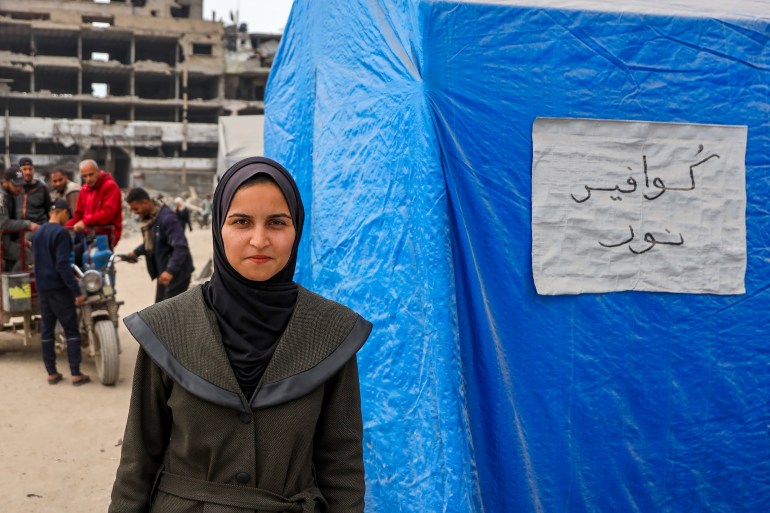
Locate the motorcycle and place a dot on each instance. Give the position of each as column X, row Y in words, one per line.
column 98, row 314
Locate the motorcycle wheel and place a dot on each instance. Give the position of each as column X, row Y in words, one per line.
column 106, row 352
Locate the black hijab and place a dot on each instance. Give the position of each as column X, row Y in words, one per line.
column 251, row 315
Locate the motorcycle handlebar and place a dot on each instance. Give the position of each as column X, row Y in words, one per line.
column 125, row 258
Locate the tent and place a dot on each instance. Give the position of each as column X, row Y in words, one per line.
column 408, row 124
column 239, row 137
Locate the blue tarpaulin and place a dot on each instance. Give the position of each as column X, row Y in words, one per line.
column 408, row 125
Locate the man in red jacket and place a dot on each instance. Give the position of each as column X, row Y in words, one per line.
column 99, row 204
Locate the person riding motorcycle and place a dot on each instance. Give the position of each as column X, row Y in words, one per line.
column 100, row 203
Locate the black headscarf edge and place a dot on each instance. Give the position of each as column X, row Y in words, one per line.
column 223, row 190
column 251, row 315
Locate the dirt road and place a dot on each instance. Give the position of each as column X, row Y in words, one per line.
column 60, row 445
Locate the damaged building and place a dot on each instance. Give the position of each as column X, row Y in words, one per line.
column 137, row 85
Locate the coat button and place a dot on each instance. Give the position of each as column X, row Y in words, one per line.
column 243, row 477
column 245, row 418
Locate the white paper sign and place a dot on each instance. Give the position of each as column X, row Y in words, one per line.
column 628, row 205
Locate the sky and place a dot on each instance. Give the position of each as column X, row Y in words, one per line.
column 736, row 8
column 271, row 15
column 261, row 15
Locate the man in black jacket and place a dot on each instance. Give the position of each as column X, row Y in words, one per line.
column 182, row 213
column 165, row 247
column 12, row 185
column 34, row 203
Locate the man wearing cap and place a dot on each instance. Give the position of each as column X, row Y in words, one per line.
column 35, row 200
column 13, row 181
column 100, row 203
column 58, row 293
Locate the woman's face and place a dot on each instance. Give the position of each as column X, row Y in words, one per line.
column 258, row 233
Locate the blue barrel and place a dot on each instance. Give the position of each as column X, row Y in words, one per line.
column 99, row 253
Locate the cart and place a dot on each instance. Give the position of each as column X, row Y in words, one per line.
column 97, row 316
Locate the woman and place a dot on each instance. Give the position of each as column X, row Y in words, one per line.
column 245, row 393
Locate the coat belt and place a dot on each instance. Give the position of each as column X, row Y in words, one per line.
column 246, row 497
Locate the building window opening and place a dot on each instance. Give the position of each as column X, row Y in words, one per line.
column 15, row 15
column 202, row 49
column 99, row 90
column 99, row 21
column 180, row 11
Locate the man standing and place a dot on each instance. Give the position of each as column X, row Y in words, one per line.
column 182, row 213
column 99, row 204
column 164, row 245
column 58, row 293
column 35, row 200
column 206, row 209
column 13, row 182
column 65, row 188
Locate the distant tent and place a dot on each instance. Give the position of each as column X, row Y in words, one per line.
column 239, row 137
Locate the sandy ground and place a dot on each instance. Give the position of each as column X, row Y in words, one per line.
column 60, row 445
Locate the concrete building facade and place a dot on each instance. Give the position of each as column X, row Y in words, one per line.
column 137, row 85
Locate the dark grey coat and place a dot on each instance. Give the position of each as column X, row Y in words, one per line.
column 193, row 441
column 8, row 221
